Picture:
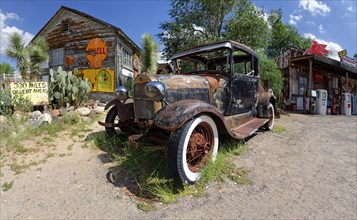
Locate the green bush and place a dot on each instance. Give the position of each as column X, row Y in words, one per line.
column 269, row 71
column 71, row 118
column 22, row 103
column 5, row 102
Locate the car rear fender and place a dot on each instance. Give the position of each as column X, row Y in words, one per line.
column 264, row 99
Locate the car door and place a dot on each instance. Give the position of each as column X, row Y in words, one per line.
column 244, row 90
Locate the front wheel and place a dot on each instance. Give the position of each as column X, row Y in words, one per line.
column 271, row 115
column 191, row 146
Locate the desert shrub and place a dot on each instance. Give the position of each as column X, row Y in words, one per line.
column 22, row 103
column 5, row 102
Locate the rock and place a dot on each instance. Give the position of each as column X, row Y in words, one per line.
column 31, row 122
column 19, row 116
column 63, row 111
column 55, row 113
column 2, row 119
column 21, row 128
column 70, row 108
column 83, row 111
column 45, row 118
column 4, row 127
column 85, row 118
column 99, row 110
column 89, row 103
column 56, row 119
column 35, row 115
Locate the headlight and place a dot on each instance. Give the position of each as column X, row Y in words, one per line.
column 155, row 91
column 121, row 93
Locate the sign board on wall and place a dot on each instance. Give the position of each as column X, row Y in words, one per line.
column 342, row 53
column 97, row 51
column 37, row 92
column 102, row 80
column 349, row 61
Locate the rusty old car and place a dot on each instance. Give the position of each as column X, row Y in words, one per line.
column 214, row 92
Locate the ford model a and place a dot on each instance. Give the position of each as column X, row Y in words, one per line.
column 214, row 91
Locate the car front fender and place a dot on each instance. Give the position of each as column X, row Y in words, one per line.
column 175, row 115
column 125, row 110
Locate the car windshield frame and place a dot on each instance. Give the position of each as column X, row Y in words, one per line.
column 224, row 64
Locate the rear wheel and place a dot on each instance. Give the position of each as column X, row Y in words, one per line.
column 271, row 115
column 191, row 146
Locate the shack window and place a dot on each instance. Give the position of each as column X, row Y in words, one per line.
column 65, row 25
column 57, row 57
column 127, row 58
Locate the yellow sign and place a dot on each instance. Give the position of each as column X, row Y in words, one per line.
column 102, row 80
column 37, row 92
column 342, row 53
column 97, row 51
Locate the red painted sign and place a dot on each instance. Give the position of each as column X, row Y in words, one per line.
column 319, row 76
column 318, row 49
column 96, row 52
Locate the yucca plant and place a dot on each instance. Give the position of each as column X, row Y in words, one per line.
column 148, row 57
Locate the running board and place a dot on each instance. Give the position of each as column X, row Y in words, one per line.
column 247, row 129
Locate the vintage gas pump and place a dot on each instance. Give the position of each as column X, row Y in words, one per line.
column 321, row 102
column 354, row 104
column 346, row 104
column 312, row 108
column 335, row 102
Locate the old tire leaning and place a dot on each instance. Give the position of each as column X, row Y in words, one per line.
column 112, row 117
column 190, row 147
column 271, row 114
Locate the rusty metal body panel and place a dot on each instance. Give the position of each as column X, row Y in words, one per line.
column 125, row 110
column 175, row 115
column 235, row 101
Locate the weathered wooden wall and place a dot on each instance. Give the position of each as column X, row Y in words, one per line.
column 81, row 31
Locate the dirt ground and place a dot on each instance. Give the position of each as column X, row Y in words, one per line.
column 307, row 172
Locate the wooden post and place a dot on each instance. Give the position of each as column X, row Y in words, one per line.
column 310, row 78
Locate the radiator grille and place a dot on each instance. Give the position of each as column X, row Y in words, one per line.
column 144, row 108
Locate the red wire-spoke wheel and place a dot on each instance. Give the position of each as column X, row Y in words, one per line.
column 190, row 148
column 199, row 146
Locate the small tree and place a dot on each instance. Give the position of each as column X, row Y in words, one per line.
column 269, row 71
column 7, row 69
column 37, row 54
column 17, row 52
column 148, row 56
column 29, row 58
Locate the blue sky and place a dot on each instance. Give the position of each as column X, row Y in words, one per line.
column 332, row 22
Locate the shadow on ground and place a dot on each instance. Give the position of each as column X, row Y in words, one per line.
column 137, row 171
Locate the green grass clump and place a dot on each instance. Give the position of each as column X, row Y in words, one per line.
column 278, row 128
column 7, row 186
column 145, row 207
column 144, row 170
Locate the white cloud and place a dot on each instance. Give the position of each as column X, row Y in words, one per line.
column 332, row 47
column 294, row 19
column 6, row 31
column 315, row 7
column 350, row 9
column 321, row 29
column 311, row 22
column 311, row 36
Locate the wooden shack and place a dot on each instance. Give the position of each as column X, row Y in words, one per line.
column 306, row 73
column 100, row 51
